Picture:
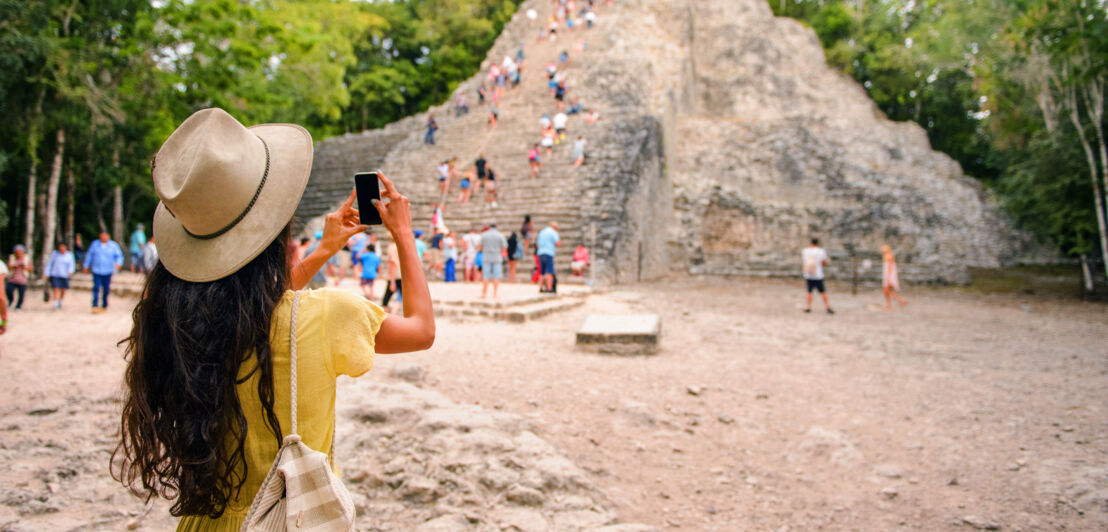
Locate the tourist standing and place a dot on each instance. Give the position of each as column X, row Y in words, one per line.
column 19, row 265
column 548, row 136
column 461, row 107
column 442, row 171
column 103, row 259
column 138, row 240
column 561, row 121
column 222, row 337
column 579, row 151
column 370, row 263
column 450, row 253
column 394, row 275
column 533, row 160
column 472, row 242
column 465, row 185
column 432, row 127
column 493, row 247
column 3, row 299
column 59, row 267
column 890, row 281
column 525, row 231
column 479, row 165
column 548, row 241
column 318, row 280
column 515, row 252
column 490, row 187
column 149, row 255
column 814, row 258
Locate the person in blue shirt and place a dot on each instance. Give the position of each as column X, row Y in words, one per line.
column 420, row 245
column 548, row 240
column 103, row 258
column 318, row 280
column 138, row 243
column 370, row 263
column 59, row 267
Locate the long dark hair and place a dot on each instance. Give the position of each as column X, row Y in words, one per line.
column 183, row 434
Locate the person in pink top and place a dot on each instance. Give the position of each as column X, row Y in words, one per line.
column 891, row 280
column 580, row 260
column 533, row 160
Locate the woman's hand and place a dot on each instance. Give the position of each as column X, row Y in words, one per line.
column 340, row 225
column 397, row 213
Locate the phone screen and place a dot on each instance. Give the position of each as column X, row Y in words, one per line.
column 369, row 189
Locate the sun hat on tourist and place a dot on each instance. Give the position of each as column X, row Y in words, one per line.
column 226, row 191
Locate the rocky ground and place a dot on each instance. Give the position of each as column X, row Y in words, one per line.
column 961, row 411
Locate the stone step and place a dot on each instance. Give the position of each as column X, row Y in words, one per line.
column 620, row 334
column 513, row 313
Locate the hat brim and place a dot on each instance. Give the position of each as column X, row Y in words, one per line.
column 198, row 260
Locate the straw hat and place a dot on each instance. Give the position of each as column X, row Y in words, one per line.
column 226, row 192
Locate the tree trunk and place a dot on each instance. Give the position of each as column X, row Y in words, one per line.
column 1086, row 274
column 117, row 214
column 1075, row 117
column 70, row 184
column 117, row 204
column 50, row 213
column 32, row 178
column 32, row 186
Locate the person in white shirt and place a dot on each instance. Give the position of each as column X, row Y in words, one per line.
column 560, row 121
column 814, row 258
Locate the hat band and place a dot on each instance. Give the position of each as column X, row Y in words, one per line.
column 249, row 206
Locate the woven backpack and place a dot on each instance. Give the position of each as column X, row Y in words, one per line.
column 301, row 490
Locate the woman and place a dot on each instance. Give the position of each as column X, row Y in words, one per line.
column 891, row 281
column 525, row 231
column 19, row 265
column 207, row 397
column 515, row 252
column 59, row 267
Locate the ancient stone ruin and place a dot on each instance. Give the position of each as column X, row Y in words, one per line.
column 724, row 143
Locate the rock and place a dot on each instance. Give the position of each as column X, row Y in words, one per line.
column 694, row 390
column 519, row 519
column 408, row 371
column 887, row 471
column 525, row 496
column 420, row 489
column 626, row 528
column 455, row 522
column 725, row 419
column 822, row 443
column 889, row 492
column 638, row 412
column 575, row 520
column 979, row 523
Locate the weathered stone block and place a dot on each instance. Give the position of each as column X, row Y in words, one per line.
column 620, row 334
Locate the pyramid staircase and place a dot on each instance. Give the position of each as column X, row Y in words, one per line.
column 400, row 152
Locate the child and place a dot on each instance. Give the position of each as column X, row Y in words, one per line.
column 370, row 264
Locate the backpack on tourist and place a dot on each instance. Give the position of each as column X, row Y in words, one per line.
column 301, row 490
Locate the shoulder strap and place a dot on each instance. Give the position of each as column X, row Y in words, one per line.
column 292, row 360
column 292, row 377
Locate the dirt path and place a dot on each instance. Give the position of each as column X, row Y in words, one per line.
column 960, row 411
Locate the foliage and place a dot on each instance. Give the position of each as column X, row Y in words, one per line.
column 119, row 75
column 961, row 69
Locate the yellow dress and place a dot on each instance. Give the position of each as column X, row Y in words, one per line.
column 335, row 336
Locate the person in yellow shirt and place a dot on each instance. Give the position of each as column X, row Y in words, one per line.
column 207, row 394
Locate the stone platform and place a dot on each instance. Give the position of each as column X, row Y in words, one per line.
column 620, row 334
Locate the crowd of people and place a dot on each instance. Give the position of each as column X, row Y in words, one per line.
column 484, row 255
column 505, row 76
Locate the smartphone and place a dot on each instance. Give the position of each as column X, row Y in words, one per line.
column 369, row 189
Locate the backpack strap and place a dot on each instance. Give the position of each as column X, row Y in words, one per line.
column 292, row 362
column 292, row 380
